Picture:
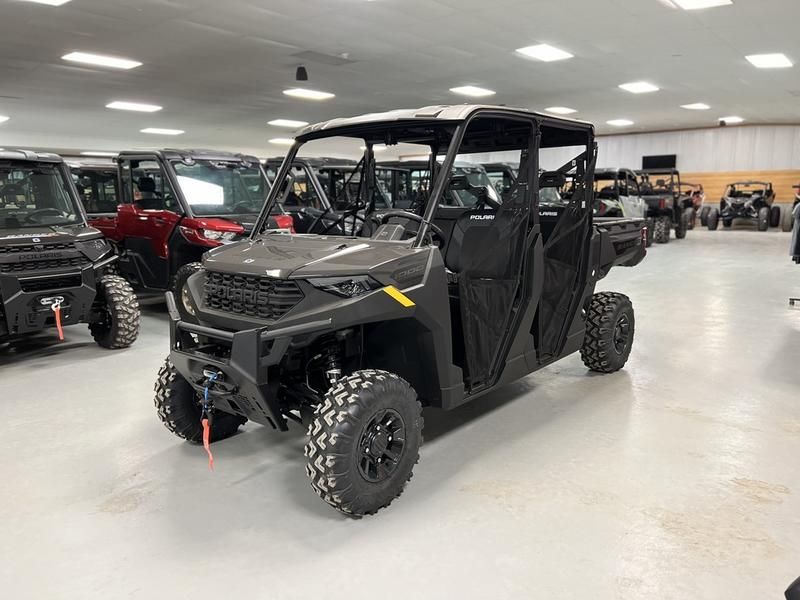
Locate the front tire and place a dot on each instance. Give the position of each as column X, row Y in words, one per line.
column 118, row 304
column 661, row 230
column 683, row 226
column 609, row 334
column 787, row 220
column 763, row 218
column 712, row 219
column 183, row 298
column 775, row 215
column 180, row 409
column 704, row 215
column 364, row 442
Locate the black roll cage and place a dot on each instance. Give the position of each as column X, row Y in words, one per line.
column 460, row 127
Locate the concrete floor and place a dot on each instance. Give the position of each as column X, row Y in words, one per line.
column 675, row 478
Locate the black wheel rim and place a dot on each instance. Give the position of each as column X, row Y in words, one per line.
column 381, row 446
column 622, row 333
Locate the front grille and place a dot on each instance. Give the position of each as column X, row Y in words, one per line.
column 260, row 297
column 48, row 284
column 40, row 258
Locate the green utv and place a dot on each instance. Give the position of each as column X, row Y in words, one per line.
column 434, row 305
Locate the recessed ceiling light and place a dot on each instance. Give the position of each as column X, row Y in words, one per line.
column 98, row 153
column 306, row 94
column 696, row 4
column 620, row 122
column 4, row 118
column 732, row 120
column 561, row 110
column 770, row 61
column 696, row 106
column 281, row 141
column 544, row 52
column 135, row 106
column 162, row 131
column 288, row 123
column 102, row 61
column 48, row 2
column 639, row 87
column 472, row 91
column 375, row 147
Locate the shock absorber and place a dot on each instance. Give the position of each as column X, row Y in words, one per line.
column 332, row 356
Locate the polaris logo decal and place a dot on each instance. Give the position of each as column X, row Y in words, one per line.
column 237, row 295
column 487, row 217
column 548, row 213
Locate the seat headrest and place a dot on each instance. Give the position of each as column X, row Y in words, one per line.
column 146, row 184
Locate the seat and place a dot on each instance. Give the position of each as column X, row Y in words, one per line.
column 150, row 199
column 474, row 240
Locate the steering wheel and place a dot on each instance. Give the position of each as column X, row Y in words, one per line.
column 383, row 218
column 42, row 212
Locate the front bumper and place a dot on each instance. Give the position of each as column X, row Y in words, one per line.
column 241, row 358
column 25, row 300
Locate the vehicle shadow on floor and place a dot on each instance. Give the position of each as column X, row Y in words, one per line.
column 37, row 346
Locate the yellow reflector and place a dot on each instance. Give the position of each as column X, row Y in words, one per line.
column 399, row 296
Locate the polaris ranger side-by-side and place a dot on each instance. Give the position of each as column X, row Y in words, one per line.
column 55, row 270
column 173, row 206
column 436, row 306
column 666, row 205
column 617, row 195
column 750, row 200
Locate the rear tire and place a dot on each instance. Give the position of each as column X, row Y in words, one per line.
column 691, row 216
column 712, row 219
column 183, row 299
column 180, row 409
column 610, row 326
column 775, row 215
column 364, row 442
column 704, row 215
column 120, row 326
column 763, row 218
column 661, row 230
column 650, row 232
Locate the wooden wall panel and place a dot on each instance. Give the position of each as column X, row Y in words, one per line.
column 715, row 183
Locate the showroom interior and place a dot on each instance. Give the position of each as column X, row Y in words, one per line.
column 261, row 261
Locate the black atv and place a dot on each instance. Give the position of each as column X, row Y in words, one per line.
column 667, row 207
column 751, row 200
column 352, row 335
column 55, row 270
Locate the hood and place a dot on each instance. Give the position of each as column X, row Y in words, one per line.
column 55, row 234
column 301, row 256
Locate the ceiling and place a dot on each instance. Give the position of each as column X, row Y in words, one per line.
column 219, row 67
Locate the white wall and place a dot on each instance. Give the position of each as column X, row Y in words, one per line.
column 750, row 148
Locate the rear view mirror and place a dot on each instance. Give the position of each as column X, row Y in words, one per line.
column 459, row 183
column 552, row 179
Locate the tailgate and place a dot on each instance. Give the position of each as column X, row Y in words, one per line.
column 622, row 241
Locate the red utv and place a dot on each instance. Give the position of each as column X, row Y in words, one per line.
column 174, row 205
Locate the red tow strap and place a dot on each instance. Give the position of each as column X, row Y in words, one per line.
column 207, row 443
column 56, row 306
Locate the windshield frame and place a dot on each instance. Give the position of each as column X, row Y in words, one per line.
column 63, row 171
column 173, row 177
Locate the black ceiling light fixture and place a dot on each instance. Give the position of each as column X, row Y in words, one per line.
column 301, row 74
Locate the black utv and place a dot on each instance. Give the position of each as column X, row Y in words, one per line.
column 667, row 207
column 55, row 270
column 352, row 335
column 750, row 200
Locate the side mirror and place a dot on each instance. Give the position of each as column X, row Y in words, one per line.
column 552, row 179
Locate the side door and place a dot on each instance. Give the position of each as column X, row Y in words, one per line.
column 146, row 220
column 638, row 207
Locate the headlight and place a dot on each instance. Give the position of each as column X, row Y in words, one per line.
column 94, row 249
column 218, row 236
column 346, row 287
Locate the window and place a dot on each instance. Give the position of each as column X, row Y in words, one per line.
column 221, row 187
column 32, row 195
